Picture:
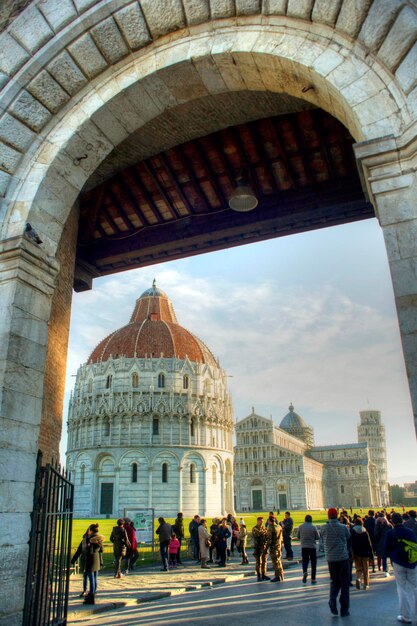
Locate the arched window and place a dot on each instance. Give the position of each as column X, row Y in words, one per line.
column 161, row 381
column 106, row 428
column 109, row 381
column 185, row 382
column 82, row 475
column 164, row 472
column 214, row 478
column 192, row 428
column 134, row 472
column 342, row 489
column 90, row 385
column 192, row 473
column 155, row 426
column 135, row 379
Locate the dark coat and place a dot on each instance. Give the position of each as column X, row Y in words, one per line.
column 119, row 540
column 178, row 527
column 381, row 529
column 164, row 531
column 360, row 541
column 369, row 523
column 93, row 547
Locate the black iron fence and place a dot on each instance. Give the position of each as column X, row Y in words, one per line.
column 47, row 583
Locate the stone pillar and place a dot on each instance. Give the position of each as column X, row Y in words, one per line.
column 388, row 167
column 27, row 282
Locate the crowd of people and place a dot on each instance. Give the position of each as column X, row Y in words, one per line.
column 354, row 547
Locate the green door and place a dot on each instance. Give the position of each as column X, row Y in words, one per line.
column 282, row 498
column 257, row 500
column 106, row 500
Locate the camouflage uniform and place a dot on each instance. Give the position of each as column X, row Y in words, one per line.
column 274, row 543
column 260, row 550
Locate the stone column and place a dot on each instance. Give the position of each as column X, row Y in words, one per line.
column 388, row 167
column 27, row 280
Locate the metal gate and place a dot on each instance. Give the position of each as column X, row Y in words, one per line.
column 47, row 583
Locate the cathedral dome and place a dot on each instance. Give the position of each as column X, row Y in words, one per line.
column 292, row 420
column 153, row 332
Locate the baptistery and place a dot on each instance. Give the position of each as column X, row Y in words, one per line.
column 150, row 421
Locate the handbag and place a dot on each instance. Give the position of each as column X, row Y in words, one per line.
column 208, row 543
column 124, row 550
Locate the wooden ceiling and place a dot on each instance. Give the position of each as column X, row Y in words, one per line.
column 175, row 204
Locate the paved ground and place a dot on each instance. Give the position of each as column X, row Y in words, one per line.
column 197, row 596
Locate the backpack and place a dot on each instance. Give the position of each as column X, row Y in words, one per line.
column 406, row 551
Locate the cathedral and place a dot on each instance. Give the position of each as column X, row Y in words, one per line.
column 281, row 468
column 150, row 421
column 150, row 426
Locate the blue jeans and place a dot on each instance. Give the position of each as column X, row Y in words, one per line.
column 163, row 548
column 92, row 577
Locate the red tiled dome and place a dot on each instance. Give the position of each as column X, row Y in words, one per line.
column 153, row 332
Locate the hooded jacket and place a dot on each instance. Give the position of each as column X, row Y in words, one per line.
column 91, row 546
column 360, row 541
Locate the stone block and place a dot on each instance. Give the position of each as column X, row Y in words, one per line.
column 5, row 179
column 163, row 16
column 352, row 15
column 18, row 435
column 4, row 79
column 110, row 126
column 45, row 89
column 91, row 142
column 185, row 74
column 16, row 530
column 378, row 22
column 157, row 90
column 196, row 11
column 83, row 5
column 407, row 238
column 222, row 8
column 274, row 7
column 87, row 55
column 18, row 467
column 9, row 158
column 326, row 11
column 13, row 591
column 300, row 8
column 15, row 499
column 406, row 73
column 391, row 242
column 31, row 303
column 15, row 133
column 133, row 26
column 210, row 75
column 20, row 350
column 30, row 111
column 248, row 7
column 58, row 13
column 67, row 73
column 407, row 314
column 12, row 55
column 31, row 29
column 404, row 278
column 109, row 40
column 400, row 38
column 15, row 618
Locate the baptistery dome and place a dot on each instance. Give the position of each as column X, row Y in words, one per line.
column 150, row 421
column 153, row 331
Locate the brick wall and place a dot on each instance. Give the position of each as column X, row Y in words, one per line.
column 56, row 354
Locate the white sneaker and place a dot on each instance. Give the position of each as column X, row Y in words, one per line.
column 403, row 620
column 387, row 575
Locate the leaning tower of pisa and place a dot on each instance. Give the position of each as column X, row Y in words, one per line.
column 372, row 431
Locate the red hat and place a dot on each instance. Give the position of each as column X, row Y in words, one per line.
column 332, row 513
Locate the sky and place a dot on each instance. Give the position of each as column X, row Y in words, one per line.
column 307, row 318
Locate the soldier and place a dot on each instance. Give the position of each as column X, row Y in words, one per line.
column 260, row 549
column 274, row 543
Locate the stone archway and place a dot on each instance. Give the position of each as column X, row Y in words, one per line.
column 65, row 85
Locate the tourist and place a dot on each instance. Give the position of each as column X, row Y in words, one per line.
column 260, row 548
column 362, row 552
column 92, row 548
column 133, row 548
column 174, row 546
column 382, row 526
column 193, row 529
column 274, row 543
column 223, row 534
column 308, row 534
column 134, row 552
column 230, row 537
column 287, row 525
column 405, row 571
column 369, row 525
column 214, row 538
column 82, row 555
column 120, row 543
column 204, row 541
column 335, row 541
column 164, row 531
column 243, row 538
column 412, row 522
column 178, row 529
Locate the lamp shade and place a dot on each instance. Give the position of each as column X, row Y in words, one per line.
column 243, row 198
